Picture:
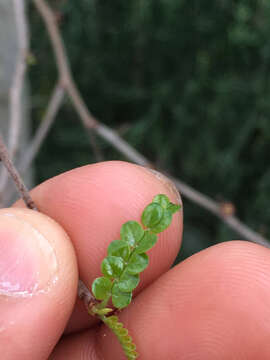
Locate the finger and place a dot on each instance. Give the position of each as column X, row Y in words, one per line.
column 38, row 283
column 215, row 305
column 92, row 202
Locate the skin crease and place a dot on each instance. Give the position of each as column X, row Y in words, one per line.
column 214, row 305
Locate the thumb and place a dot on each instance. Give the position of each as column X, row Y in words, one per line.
column 38, row 283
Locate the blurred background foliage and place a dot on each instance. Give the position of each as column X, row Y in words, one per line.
column 186, row 82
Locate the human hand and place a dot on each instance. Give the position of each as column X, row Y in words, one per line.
column 214, row 305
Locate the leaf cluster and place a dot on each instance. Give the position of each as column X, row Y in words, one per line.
column 126, row 258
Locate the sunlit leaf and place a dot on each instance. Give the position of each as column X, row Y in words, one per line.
column 112, row 266
column 164, row 222
column 119, row 248
column 162, row 200
column 147, row 242
column 127, row 282
column 137, row 263
column 120, row 299
column 131, row 232
column 101, row 288
column 152, row 215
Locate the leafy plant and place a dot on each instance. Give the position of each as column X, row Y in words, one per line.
column 126, row 259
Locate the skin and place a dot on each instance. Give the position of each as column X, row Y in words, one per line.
column 214, row 305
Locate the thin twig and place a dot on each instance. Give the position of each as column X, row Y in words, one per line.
column 18, row 79
column 42, row 131
column 22, row 189
column 212, row 206
column 63, row 63
column 91, row 123
column 15, row 96
column 32, row 150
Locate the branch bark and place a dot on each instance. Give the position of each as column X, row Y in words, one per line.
column 11, row 169
column 91, row 123
column 46, row 123
column 18, row 79
column 15, row 96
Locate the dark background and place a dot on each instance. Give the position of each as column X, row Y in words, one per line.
column 186, row 82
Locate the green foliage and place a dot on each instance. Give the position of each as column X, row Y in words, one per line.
column 131, row 232
column 127, row 258
column 152, row 215
column 147, row 242
column 101, row 288
column 158, row 215
column 125, row 261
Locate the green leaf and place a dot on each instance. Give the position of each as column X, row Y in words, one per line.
column 101, row 288
column 127, row 282
column 162, row 200
column 137, row 263
column 112, row 266
column 131, row 232
column 147, row 242
column 172, row 208
column 120, row 299
column 119, row 248
column 152, row 215
column 164, row 223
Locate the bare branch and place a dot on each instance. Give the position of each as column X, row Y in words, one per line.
column 65, row 74
column 63, row 64
column 18, row 79
column 15, row 96
column 215, row 208
column 121, row 145
column 46, row 123
column 91, row 123
column 15, row 176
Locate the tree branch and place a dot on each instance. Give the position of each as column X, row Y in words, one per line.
column 46, row 123
column 18, row 79
column 6, row 159
column 91, row 123
column 15, row 96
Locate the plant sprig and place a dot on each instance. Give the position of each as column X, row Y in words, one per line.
column 126, row 259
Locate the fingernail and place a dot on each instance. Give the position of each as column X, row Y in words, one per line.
column 28, row 263
column 168, row 183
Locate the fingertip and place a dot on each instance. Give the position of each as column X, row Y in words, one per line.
column 38, row 283
column 92, row 202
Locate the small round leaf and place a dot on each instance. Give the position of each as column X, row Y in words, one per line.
column 127, row 282
column 164, row 222
column 101, row 288
column 148, row 241
column 137, row 263
column 120, row 299
column 119, row 248
column 152, row 215
column 112, row 266
column 131, row 232
column 162, row 200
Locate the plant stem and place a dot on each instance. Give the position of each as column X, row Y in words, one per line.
column 22, row 189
